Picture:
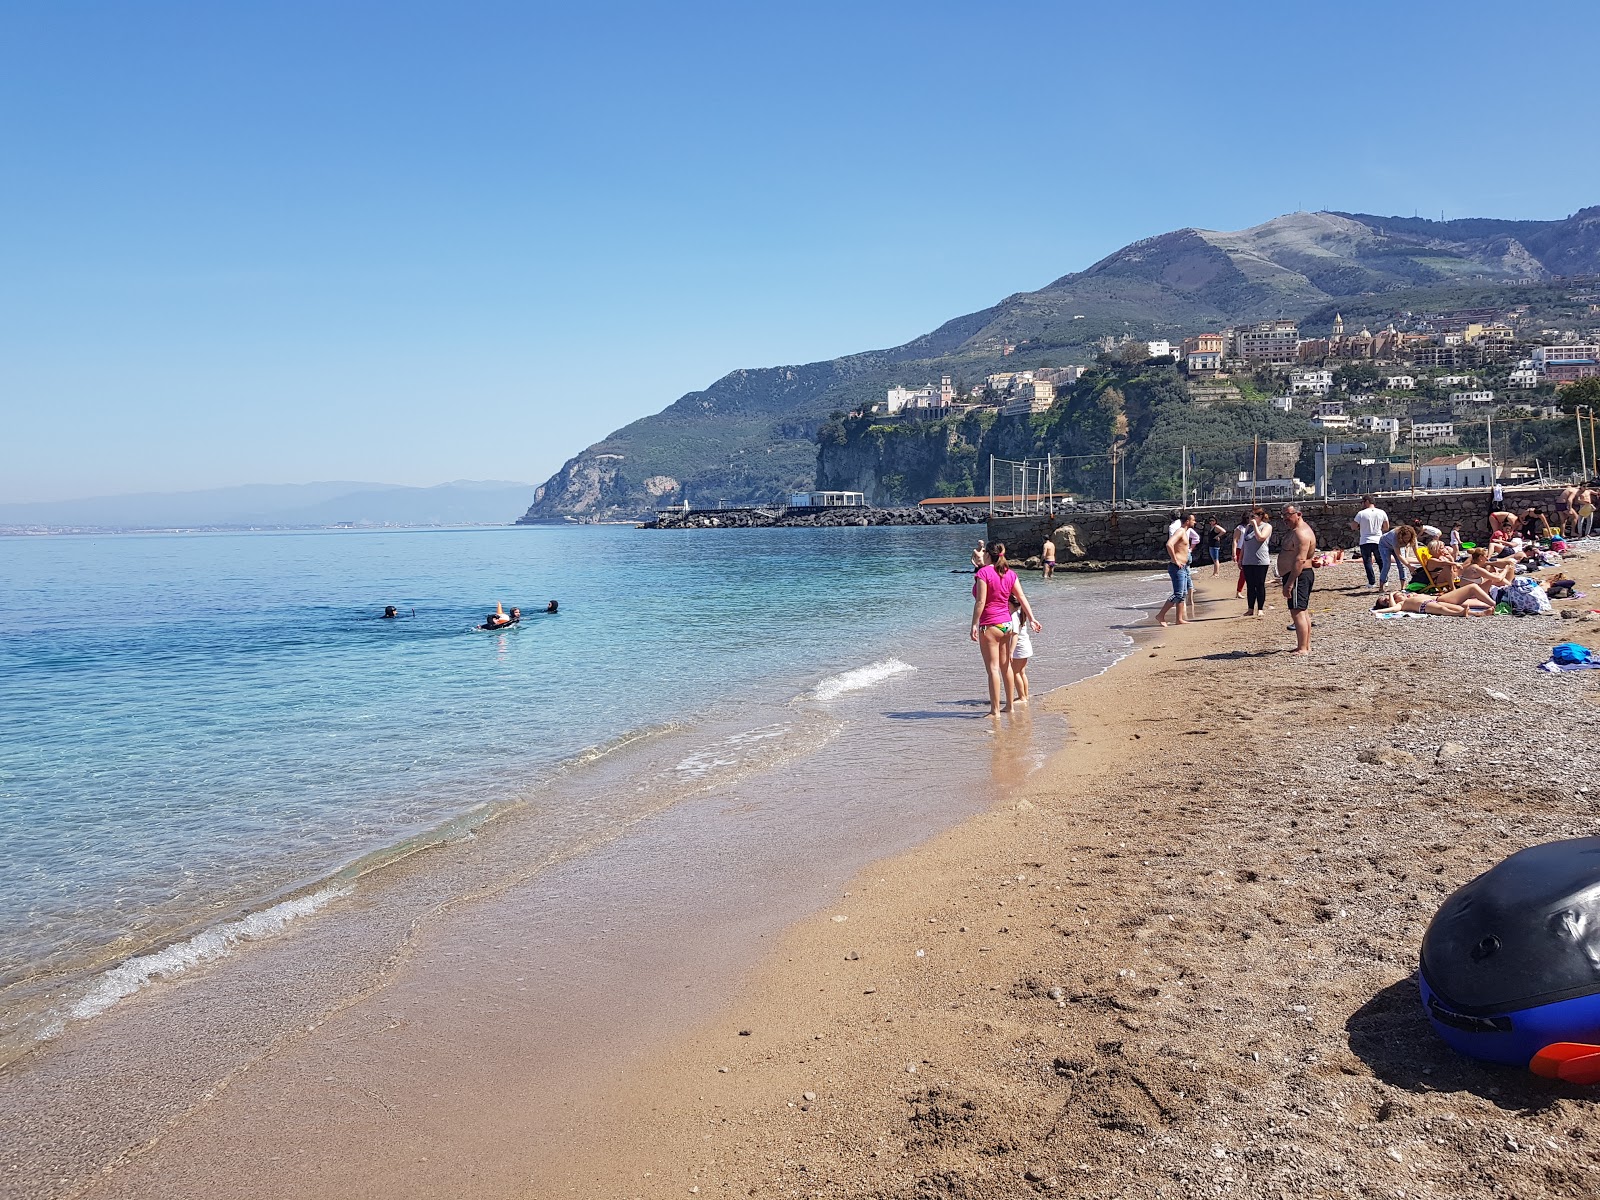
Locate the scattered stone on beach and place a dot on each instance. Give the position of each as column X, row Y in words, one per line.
column 808, row 1097
column 1267, row 1039
column 853, row 956
column 1388, row 756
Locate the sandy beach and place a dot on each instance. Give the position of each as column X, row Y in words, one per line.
column 1177, row 961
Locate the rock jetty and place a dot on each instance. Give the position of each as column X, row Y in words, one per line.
column 819, row 518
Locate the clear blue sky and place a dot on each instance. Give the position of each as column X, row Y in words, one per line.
column 416, row 242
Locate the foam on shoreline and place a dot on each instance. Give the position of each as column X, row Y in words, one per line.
column 124, row 980
column 859, row 678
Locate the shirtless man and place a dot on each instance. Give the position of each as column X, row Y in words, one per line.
column 1178, row 569
column 1567, row 509
column 1049, row 558
column 1295, row 567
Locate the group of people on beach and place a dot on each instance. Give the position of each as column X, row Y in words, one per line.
column 1001, row 622
column 1439, row 574
column 1296, row 565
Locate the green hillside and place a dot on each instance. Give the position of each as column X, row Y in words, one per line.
column 750, row 436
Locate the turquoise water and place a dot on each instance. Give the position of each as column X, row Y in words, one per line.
column 207, row 738
column 197, row 722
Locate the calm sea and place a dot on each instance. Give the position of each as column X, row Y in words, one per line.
column 205, row 736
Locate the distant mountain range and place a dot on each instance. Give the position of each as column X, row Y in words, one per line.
column 750, row 435
column 463, row 502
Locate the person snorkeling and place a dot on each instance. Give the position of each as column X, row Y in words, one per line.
column 500, row 619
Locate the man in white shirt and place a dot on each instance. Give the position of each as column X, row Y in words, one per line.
column 1372, row 523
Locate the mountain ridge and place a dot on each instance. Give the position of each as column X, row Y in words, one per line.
column 328, row 502
column 749, row 435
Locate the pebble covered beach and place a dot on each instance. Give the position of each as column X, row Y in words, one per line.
column 1180, row 960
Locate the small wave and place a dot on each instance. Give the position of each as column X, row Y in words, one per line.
column 703, row 762
column 861, row 677
column 124, row 980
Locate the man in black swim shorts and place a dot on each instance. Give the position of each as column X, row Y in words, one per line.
column 1296, row 562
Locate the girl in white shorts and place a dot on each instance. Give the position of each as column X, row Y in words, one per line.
column 1021, row 652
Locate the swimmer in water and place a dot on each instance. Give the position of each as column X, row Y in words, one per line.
column 498, row 619
column 390, row 612
column 552, row 608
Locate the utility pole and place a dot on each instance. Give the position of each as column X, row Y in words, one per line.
column 1183, row 494
column 1255, row 482
column 1583, row 459
column 991, row 487
column 1494, row 471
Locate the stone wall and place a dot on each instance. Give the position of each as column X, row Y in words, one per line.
column 1136, row 537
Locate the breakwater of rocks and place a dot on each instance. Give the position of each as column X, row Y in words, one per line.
column 819, row 518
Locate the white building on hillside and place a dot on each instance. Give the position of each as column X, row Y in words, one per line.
column 1523, row 377
column 1401, row 383
column 1283, row 403
column 1161, row 349
column 1431, row 433
column 1317, row 383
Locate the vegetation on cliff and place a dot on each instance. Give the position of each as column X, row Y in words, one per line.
column 1145, row 410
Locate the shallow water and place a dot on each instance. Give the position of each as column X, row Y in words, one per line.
column 235, row 728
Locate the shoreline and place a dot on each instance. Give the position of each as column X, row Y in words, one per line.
column 1153, row 971
column 1009, row 1007
column 552, row 955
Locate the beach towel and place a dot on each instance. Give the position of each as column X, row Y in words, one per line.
column 1389, row 616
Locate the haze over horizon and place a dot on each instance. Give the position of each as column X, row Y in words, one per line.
column 354, row 241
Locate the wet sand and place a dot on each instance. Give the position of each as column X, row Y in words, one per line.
column 1179, row 961
column 444, row 1020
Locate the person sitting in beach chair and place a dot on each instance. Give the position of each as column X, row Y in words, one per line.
column 1438, row 572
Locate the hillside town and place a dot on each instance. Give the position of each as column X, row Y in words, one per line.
column 1391, row 405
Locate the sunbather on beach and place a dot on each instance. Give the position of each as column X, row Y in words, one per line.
column 1479, row 571
column 1434, row 606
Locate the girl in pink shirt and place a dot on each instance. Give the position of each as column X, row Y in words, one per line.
column 993, row 625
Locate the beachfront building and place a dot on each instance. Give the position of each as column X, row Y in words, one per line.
column 827, row 499
column 1431, row 433
column 1364, row 476
column 1458, row 471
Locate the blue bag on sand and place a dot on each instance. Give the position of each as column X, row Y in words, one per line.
column 1571, row 654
